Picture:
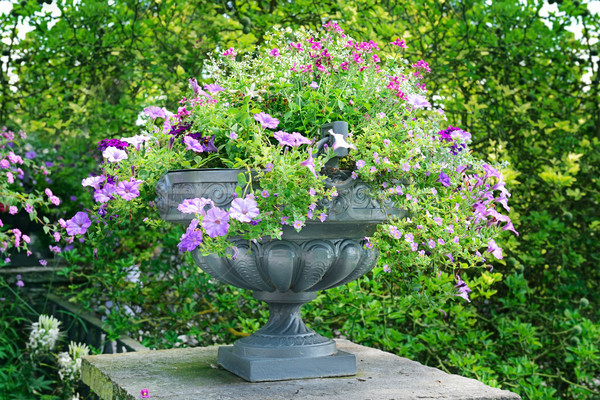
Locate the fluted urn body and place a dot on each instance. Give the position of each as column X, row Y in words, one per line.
column 284, row 273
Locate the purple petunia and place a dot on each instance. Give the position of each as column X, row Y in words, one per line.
column 418, row 101
column 105, row 194
column 216, row 222
column 294, row 139
column 444, row 179
column 128, row 190
column 213, row 88
column 193, row 144
column 93, row 181
column 244, row 210
column 309, row 163
column 266, row 121
column 155, row 112
column 191, row 238
column 463, row 289
column 494, row 249
column 79, row 224
column 195, row 206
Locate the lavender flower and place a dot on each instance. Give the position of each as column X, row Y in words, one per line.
column 195, row 206
column 463, row 289
column 494, row 249
column 266, row 121
column 309, row 163
column 191, row 238
column 129, row 190
column 155, row 112
column 79, row 224
column 213, row 88
column 193, row 144
column 418, row 101
column 244, row 210
column 216, row 222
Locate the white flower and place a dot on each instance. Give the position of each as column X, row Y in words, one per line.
column 137, row 140
column 69, row 364
column 112, row 154
column 44, row 334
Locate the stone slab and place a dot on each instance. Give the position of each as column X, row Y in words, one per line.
column 193, row 373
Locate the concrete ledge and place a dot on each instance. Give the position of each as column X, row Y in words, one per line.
column 193, row 373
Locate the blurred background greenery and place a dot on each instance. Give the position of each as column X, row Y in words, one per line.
column 512, row 73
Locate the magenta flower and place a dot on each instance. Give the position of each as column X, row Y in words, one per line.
column 418, row 101
column 193, row 144
column 213, row 88
column 463, row 289
column 79, row 224
column 43, row 263
column 340, row 141
column 4, row 163
column 129, row 190
column 309, row 163
column 230, row 52
column 494, row 249
column 12, row 210
column 274, row 53
column 400, row 43
column 195, row 206
column 144, row 394
column 244, row 210
column 216, row 222
column 266, row 121
column 191, row 238
column 112, row 154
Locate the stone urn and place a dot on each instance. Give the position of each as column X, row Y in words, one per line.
column 285, row 273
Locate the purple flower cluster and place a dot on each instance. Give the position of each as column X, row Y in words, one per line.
column 106, row 143
column 214, row 221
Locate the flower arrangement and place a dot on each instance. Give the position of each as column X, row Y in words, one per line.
column 262, row 113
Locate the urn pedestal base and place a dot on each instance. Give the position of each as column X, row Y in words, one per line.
column 285, row 348
column 261, row 369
